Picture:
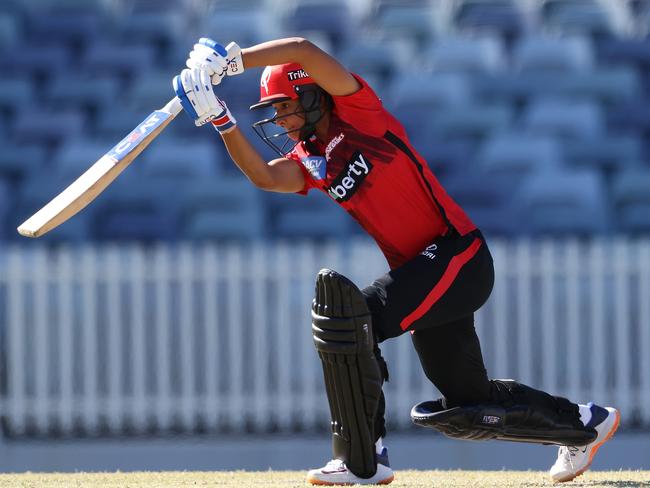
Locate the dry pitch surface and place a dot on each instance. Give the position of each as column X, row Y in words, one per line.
column 288, row 479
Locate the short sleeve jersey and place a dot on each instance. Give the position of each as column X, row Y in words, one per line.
column 367, row 165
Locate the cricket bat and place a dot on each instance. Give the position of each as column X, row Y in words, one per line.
column 101, row 174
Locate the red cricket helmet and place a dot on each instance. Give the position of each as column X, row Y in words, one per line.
column 288, row 82
column 280, row 82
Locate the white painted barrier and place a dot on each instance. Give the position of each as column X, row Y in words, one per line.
column 189, row 338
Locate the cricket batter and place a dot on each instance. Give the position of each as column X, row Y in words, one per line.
column 339, row 139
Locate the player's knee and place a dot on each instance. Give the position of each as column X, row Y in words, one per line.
column 341, row 320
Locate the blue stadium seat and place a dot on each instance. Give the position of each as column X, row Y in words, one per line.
column 445, row 158
column 411, row 21
column 150, row 90
column 244, row 26
column 76, row 28
column 137, row 208
column 608, row 153
column 629, row 51
column 488, row 200
column 219, row 208
column 640, row 13
column 15, row 92
column 6, row 215
column 466, row 55
column 632, row 116
column 92, row 93
column 161, row 27
column 507, row 87
column 607, row 85
column 565, row 118
column 631, row 200
column 515, row 155
column 415, row 97
column 601, row 85
column 20, row 162
column 635, row 53
column 10, row 30
column 70, row 6
column 180, row 159
column 504, row 17
column 50, row 127
column 579, row 17
column 123, row 60
column 331, row 18
column 553, row 55
column 377, row 60
column 36, row 59
column 314, row 215
column 564, row 202
column 474, row 122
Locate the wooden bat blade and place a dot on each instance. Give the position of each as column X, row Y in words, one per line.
column 101, row 174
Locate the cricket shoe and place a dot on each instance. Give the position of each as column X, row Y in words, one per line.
column 572, row 461
column 337, row 473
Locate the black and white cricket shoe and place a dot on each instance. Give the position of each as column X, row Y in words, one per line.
column 572, row 461
column 336, row 473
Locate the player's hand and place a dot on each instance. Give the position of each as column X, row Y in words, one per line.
column 219, row 61
column 194, row 90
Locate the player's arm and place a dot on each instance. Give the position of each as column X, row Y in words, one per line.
column 194, row 90
column 280, row 175
column 325, row 70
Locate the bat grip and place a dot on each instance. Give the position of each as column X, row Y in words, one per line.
column 173, row 107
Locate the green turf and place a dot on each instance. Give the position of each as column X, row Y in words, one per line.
column 287, row 479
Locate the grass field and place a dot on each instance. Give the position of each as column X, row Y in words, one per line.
column 289, row 479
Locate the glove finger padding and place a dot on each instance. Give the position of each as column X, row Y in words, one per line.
column 202, row 92
column 182, row 87
column 210, row 55
column 195, row 93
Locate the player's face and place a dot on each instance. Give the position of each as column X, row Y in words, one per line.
column 290, row 116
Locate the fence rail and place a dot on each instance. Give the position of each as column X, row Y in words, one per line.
column 217, row 337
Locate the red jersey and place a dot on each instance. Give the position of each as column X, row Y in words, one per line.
column 367, row 165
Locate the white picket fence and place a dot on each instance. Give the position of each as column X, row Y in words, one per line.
column 217, row 337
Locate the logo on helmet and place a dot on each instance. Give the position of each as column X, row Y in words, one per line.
column 298, row 74
column 266, row 76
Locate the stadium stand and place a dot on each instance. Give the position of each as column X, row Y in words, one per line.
column 631, row 201
column 535, row 114
column 566, row 202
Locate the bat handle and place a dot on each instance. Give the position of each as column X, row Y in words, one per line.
column 173, row 107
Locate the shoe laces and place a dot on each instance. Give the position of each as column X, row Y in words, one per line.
column 567, row 453
column 334, row 464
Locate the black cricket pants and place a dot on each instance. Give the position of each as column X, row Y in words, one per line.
column 434, row 297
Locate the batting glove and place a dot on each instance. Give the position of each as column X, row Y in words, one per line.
column 217, row 60
column 194, row 90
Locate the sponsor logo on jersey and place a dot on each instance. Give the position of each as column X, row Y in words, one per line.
column 146, row 127
column 332, row 144
column 298, row 74
column 430, row 251
column 316, row 165
column 350, row 178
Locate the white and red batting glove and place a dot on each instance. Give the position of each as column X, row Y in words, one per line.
column 217, row 60
column 194, row 90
